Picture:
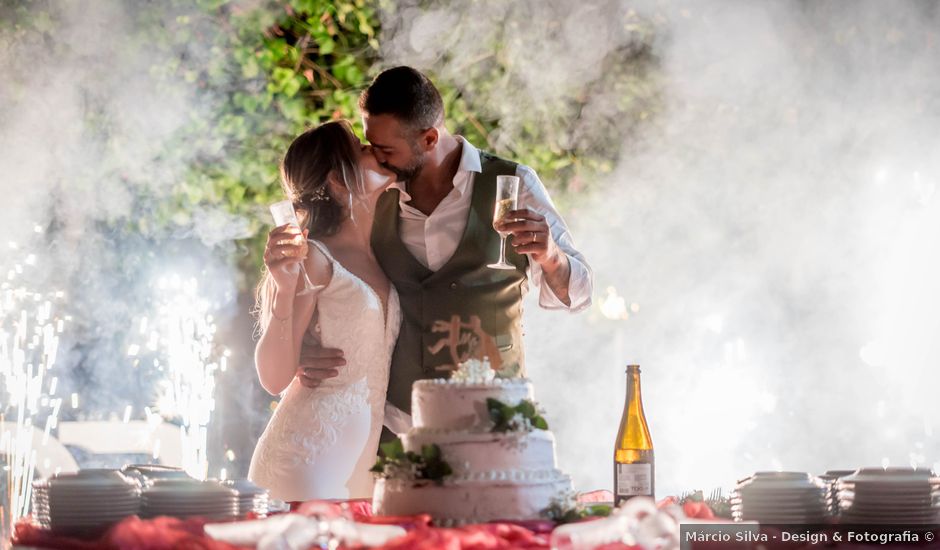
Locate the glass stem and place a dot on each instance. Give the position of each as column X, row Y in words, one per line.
column 502, row 250
column 308, row 284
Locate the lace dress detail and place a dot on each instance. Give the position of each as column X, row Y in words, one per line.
column 305, row 435
column 320, row 443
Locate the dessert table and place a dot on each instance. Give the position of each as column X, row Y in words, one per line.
column 134, row 533
column 165, row 533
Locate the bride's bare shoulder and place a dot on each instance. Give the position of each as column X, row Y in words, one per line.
column 318, row 265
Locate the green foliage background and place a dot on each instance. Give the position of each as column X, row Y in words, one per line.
column 264, row 71
column 276, row 70
column 282, row 68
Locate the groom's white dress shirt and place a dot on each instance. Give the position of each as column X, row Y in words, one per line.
column 433, row 239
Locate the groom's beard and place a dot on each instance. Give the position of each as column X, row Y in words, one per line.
column 407, row 173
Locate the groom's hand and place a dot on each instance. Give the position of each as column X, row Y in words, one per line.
column 318, row 364
column 531, row 235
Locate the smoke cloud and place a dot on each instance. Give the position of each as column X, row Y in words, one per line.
column 91, row 114
column 775, row 225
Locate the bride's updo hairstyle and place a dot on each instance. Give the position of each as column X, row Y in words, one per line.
column 315, row 155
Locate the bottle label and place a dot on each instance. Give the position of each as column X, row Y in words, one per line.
column 634, row 479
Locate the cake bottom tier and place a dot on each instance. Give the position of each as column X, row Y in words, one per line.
column 471, row 501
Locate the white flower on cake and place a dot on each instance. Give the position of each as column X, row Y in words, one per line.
column 519, row 423
column 404, row 472
column 410, row 466
column 474, row 371
column 522, row 418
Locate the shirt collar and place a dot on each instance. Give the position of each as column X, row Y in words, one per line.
column 469, row 163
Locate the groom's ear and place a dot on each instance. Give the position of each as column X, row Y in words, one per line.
column 429, row 138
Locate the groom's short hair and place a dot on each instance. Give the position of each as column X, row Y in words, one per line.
column 406, row 94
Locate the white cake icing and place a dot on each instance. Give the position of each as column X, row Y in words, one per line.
column 458, row 405
column 496, row 475
column 478, row 451
column 461, row 502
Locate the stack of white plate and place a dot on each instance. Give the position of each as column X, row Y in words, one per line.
column 188, row 497
column 899, row 496
column 781, row 497
column 251, row 498
column 84, row 503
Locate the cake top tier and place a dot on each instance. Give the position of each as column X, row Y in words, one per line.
column 460, row 404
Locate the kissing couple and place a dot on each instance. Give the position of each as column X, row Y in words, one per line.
column 393, row 235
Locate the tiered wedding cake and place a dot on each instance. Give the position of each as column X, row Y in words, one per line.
column 478, row 451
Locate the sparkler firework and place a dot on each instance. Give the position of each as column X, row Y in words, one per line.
column 177, row 339
column 30, row 326
column 183, row 332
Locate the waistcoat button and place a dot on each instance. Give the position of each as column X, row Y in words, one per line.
column 453, row 286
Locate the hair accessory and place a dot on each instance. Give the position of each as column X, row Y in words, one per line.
column 321, row 194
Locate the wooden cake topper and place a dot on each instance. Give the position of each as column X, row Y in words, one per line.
column 475, row 344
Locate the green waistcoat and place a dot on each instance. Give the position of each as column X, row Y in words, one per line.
column 463, row 286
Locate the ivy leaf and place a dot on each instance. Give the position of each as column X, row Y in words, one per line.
column 326, row 45
column 292, row 86
column 494, row 406
column 527, row 408
column 437, row 471
column 430, row 452
column 505, row 418
column 428, row 465
column 393, row 450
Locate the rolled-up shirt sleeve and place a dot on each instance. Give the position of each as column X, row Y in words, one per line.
column 534, row 196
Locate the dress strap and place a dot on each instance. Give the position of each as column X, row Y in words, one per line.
column 323, row 249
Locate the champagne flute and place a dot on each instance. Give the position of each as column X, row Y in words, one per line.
column 284, row 214
column 507, row 196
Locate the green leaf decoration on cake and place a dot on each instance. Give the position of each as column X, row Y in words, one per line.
column 396, row 463
column 524, row 417
column 393, row 449
column 431, row 453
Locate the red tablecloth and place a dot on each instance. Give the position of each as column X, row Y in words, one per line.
column 167, row 533
column 131, row 533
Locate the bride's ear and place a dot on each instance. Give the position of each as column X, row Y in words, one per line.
column 335, row 187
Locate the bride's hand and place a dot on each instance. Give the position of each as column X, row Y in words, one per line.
column 286, row 249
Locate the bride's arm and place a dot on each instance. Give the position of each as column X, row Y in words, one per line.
column 285, row 316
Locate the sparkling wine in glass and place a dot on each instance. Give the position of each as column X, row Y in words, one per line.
column 507, row 196
column 284, row 214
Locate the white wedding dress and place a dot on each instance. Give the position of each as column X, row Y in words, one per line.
column 320, row 443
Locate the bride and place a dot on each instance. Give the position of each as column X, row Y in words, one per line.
column 321, row 442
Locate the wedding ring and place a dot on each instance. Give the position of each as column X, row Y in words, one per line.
column 535, row 237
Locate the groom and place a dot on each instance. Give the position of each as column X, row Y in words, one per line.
column 433, row 236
